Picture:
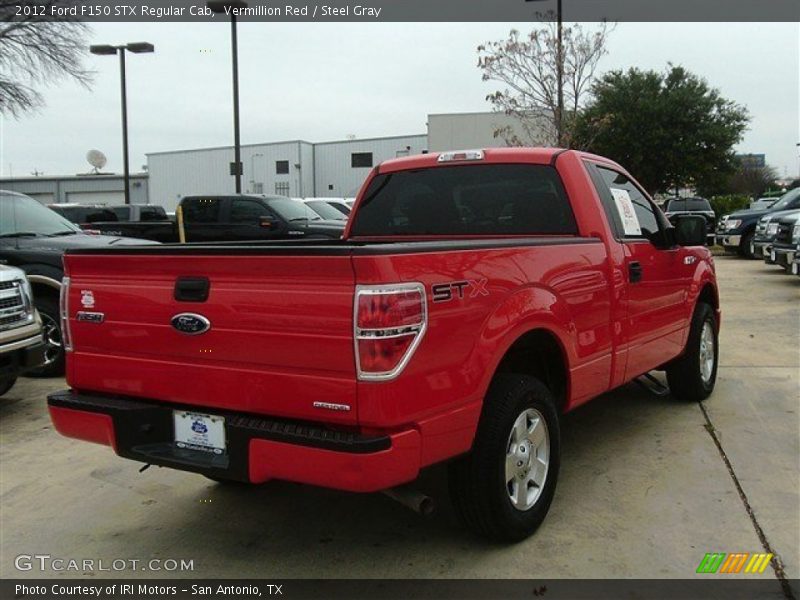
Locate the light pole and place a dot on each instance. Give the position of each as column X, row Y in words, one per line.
column 219, row 6
column 136, row 48
column 559, row 75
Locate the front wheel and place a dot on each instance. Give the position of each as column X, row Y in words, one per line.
column 692, row 375
column 503, row 488
column 746, row 245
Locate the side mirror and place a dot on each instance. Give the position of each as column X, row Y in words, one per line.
column 690, row 230
column 267, row 223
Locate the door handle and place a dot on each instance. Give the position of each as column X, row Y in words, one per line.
column 191, row 289
column 634, row 271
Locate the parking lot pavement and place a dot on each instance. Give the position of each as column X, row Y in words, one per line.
column 645, row 491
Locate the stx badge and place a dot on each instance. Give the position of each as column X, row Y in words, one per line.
column 468, row 288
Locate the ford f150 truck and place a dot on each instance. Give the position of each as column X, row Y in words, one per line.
column 475, row 297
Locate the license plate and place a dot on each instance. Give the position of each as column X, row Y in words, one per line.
column 772, row 256
column 794, row 269
column 765, row 250
column 752, row 248
column 196, row 431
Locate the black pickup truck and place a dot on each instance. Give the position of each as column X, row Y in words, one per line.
column 230, row 219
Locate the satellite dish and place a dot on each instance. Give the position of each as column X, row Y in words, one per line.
column 97, row 159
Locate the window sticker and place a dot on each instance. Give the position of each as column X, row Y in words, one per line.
column 630, row 222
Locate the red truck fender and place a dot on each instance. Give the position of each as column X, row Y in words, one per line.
column 529, row 309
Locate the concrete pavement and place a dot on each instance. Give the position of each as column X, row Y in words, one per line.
column 644, row 491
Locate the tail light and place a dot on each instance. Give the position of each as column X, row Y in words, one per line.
column 63, row 303
column 390, row 321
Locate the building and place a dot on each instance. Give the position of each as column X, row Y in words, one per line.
column 84, row 189
column 752, row 161
column 294, row 168
column 460, row 131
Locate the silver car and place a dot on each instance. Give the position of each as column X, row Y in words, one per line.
column 21, row 340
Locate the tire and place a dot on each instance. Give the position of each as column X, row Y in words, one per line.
column 6, row 384
column 54, row 350
column 485, row 484
column 744, row 245
column 689, row 379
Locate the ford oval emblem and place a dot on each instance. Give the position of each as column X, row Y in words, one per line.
column 191, row 324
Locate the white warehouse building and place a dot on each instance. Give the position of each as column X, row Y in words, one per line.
column 295, row 168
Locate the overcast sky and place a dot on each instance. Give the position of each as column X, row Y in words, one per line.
column 321, row 82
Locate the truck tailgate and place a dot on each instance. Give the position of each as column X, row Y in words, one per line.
column 280, row 336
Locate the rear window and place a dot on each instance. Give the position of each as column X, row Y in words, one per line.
column 87, row 214
column 683, row 204
column 466, row 200
column 201, row 210
column 152, row 213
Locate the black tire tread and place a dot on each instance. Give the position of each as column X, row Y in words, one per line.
column 474, row 497
column 683, row 375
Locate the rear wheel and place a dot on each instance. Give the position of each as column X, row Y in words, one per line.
column 54, row 346
column 6, row 384
column 503, row 488
column 692, row 376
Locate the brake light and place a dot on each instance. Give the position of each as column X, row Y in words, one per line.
column 461, row 155
column 63, row 303
column 390, row 321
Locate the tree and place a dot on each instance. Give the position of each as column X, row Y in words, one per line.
column 671, row 129
column 37, row 49
column 752, row 180
column 528, row 68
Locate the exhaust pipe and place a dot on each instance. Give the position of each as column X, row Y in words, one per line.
column 416, row 501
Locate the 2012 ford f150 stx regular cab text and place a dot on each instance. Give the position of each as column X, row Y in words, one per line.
column 475, row 297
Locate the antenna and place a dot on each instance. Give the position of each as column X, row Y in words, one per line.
column 97, row 159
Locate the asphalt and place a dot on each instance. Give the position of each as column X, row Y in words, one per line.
column 647, row 486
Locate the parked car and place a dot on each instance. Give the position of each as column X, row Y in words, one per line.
column 325, row 209
column 784, row 248
column 21, row 341
column 762, row 203
column 476, row 297
column 84, row 215
column 737, row 230
column 33, row 238
column 766, row 230
column 693, row 206
column 339, row 204
column 233, row 218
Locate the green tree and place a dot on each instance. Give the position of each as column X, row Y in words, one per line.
column 671, row 129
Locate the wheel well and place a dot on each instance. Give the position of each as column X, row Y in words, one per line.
column 42, row 290
column 708, row 296
column 538, row 353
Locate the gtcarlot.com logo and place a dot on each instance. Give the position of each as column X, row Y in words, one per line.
column 46, row 562
column 735, row 562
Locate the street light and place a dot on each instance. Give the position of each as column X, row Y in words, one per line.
column 220, row 6
column 105, row 50
column 559, row 76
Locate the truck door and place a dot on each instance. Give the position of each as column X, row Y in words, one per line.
column 658, row 278
column 251, row 219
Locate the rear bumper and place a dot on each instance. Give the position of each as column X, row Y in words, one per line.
column 257, row 448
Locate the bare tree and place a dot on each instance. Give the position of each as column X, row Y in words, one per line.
column 37, row 48
column 528, row 68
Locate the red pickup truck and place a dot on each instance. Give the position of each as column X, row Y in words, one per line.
column 474, row 298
